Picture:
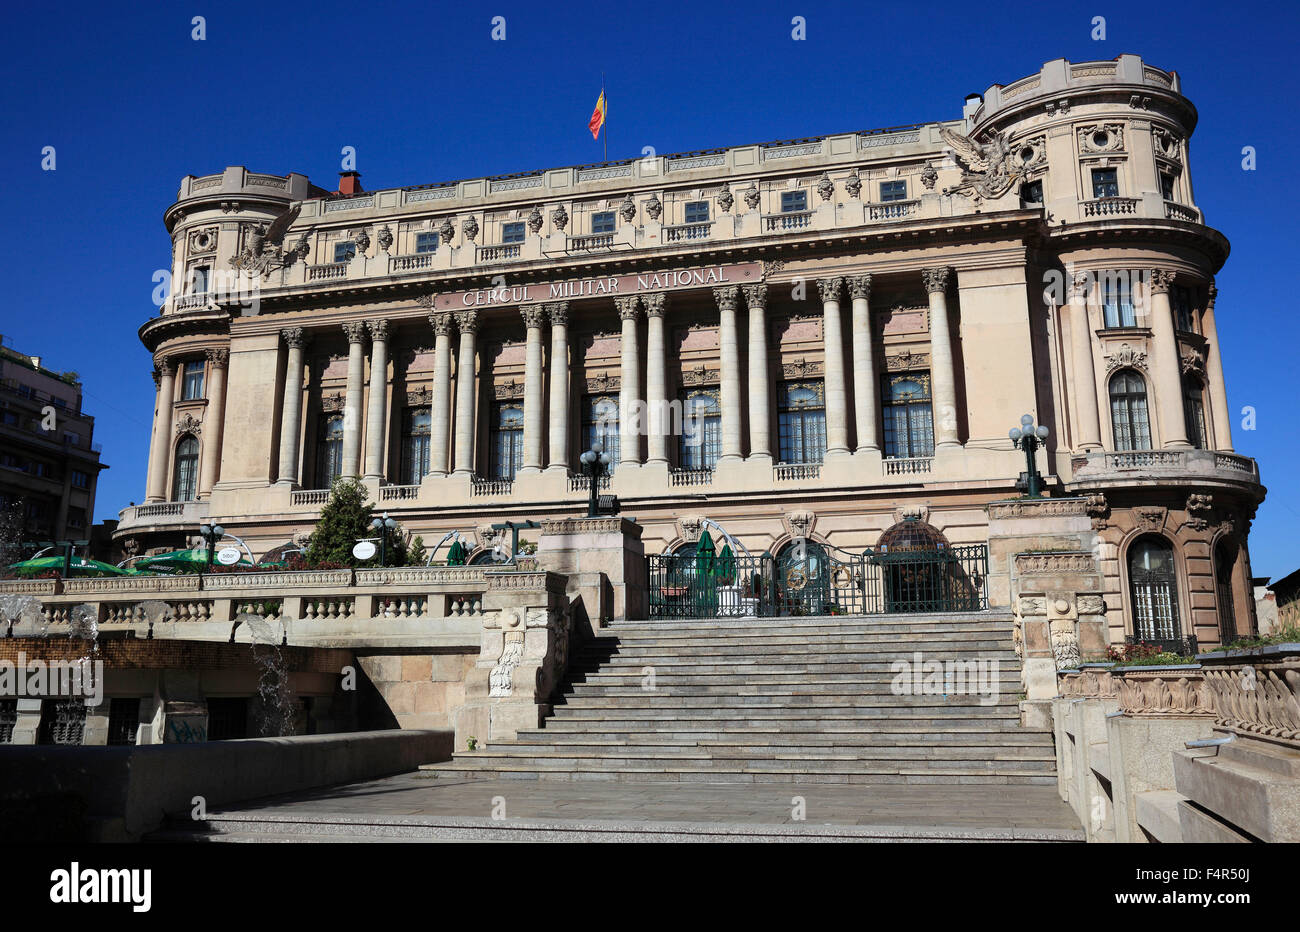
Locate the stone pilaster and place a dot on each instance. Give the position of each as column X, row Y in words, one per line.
column 559, row 426
column 467, row 322
column 865, row 396
column 160, row 452
column 356, row 333
column 760, row 418
column 213, row 421
column 377, row 414
column 837, row 401
column 727, row 297
column 629, row 396
column 942, row 376
column 1087, row 416
column 1214, row 371
column 656, row 391
column 440, row 413
column 1167, row 371
column 534, row 319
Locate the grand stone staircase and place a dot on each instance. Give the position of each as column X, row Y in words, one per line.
column 803, row 700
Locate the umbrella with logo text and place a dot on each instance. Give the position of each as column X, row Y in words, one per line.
column 179, row 562
column 77, row 566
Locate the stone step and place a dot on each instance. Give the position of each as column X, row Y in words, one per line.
column 752, row 640
column 923, row 728
column 751, row 774
column 604, row 697
column 815, row 622
column 940, row 755
column 600, row 708
column 846, row 674
column 811, row 663
column 791, row 738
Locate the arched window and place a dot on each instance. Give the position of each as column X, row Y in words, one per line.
column 507, row 439
column 803, row 584
column 416, row 430
column 909, row 421
column 701, row 440
column 1153, row 584
column 1128, row 411
column 1194, row 411
column 1225, row 559
column 330, row 464
column 186, row 481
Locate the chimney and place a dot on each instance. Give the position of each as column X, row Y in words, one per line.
column 349, row 183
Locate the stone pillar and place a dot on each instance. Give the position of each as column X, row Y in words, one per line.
column 534, row 381
column 559, row 426
column 291, row 407
column 942, row 377
column 377, row 413
column 1087, row 417
column 467, row 321
column 153, row 432
column 865, row 397
column 729, row 350
column 837, row 400
column 356, row 331
column 213, row 426
column 1214, row 370
column 440, row 413
column 760, row 418
column 1167, row 372
column 656, row 379
column 162, row 434
column 629, row 395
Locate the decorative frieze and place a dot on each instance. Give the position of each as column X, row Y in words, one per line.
column 1061, row 562
column 1257, row 694
column 1039, row 508
column 1176, row 692
column 1126, row 357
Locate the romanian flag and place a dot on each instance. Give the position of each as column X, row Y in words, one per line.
column 597, row 116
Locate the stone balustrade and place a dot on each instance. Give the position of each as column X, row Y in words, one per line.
column 1104, row 469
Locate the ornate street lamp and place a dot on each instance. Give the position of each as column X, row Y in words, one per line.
column 211, row 533
column 383, row 525
column 1027, row 437
column 595, row 463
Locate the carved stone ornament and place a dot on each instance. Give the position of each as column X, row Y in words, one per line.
column 534, row 316
column 830, row 288
column 627, row 307
column 560, row 218
column 1065, row 643
column 907, row 360
column 929, row 176
column 654, row 207
column 825, row 187
column 441, row 323
column 1166, row 143
column 362, row 239
column 853, row 184
column 988, row 171
column 385, row 238
column 1151, row 517
column 1098, row 510
column 1101, row 137
column 263, row 251
column 604, row 383
column 627, row 210
column 726, row 199
column 202, row 240
column 509, row 390
column 470, row 228
column 726, row 296
column 689, row 527
column 218, row 358
column 332, row 403
column 1126, row 357
column 700, row 375
column 800, row 523
column 1193, row 363
column 425, row 299
column 535, row 220
column 188, row 424
column 936, row 280
column 751, row 196
column 1199, row 509
column 447, row 232
column 801, row 369
column 1161, row 280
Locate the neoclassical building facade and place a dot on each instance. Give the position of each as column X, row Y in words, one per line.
column 811, row 339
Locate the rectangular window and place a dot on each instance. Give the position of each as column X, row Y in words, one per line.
column 426, row 242
column 80, row 479
column 1181, row 298
column 801, row 422
column 123, row 720
column 227, row 718
column 1167, row 186
column 1105, row 182
column 1031, row 193
column 1194, row 413
column 701, row 441
column 200, row 279
column 893, row 191
column 8, row 720
column 602, row 222
column 792, row 201
column 512, row 232
column 1117, row 300
column 908, row 417
column 192, row 387
column 506, row 439
column 697, row 211
column 345, row 251
column 417, row 426
column 600, row 424
column 63, row 721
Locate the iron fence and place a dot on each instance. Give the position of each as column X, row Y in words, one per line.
column 704, row 586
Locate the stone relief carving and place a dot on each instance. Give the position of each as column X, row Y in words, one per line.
column 929, row 176
column 654, row 207
column 1199, row 508
column 1193, row 363
column 1151, row 517
column 501, row 679
column 825, row 187
column 726, row 199
column 202, row 240
column 988, row 170
column 1155, row 694
column 470, row 229
column 1101, row 137
column 901, row 362
column 446, row 232
column 1126, row 357
column 263, row 251
column 751, row 197
column 188, row 424
column 627, row 210
column 1065, row 643
column 560, row 218
column 853, row 184
column 535, row 220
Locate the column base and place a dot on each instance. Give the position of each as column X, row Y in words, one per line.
column 283, row 483
column 557, row 467
column 760, row 459
column 529, row 470
column 1178, row 445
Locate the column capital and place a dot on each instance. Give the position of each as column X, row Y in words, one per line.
column 726, row 296
column 378, row 329
column 626, row 307
column 219, row 358
column 860, row 287
column 936, row 280
column 656, row 305
column 1079, row 284
column 559, row 313
column 534, row 316
column 467, row 321
column 441, row 323
column 166, row 365
column 293, row 336
column 830, row 288
column 356, row 331
column 157, row 378
column 1211, row 294
column 756, row 296
column 1161, row 280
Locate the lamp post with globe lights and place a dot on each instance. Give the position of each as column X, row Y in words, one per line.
column 1029, row 438
column 211, row 533
column 595, row 463
column 383, row 527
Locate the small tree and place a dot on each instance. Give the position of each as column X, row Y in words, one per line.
column 417, row 555
column 344, row 520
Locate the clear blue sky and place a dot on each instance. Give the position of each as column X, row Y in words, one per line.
column 132, row 104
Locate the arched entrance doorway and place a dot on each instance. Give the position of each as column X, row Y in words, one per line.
column 803, row 585
column 921, row 572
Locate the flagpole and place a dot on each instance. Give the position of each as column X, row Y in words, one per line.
column 605, row 128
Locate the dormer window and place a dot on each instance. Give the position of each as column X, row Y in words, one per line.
column 602, row 222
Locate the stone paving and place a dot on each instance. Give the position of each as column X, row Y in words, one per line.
column 408, row 806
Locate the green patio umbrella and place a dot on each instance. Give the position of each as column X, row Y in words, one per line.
column 77, row 566
column 456, row 554
column 180, row 562
column 706, row 596
column 725, row 570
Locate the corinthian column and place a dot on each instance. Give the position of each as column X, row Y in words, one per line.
column 656, row 376
column 440, row 413
column 1214, row 369
column 213, row 421
column 534, row 318
column 291, row 407
column 153, row 432
column 559, row 427
column 467, row 321
column 162, row 433
column 1168, row 371
column 377, row 415
column 942, row 377
column 837, row 400
column 356, row 331
column 727, row 297
column 864, row 366
column 629, row 395
column 1087, row 417
column 760, row 423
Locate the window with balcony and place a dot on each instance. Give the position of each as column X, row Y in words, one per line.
column 329, row 463
column 426, row 242
column 345, row 251
column 192, row 381
column 908, row 416
column 185, row 481
column 1180, row 296
column 1117, row 300
column 200, row 279
column 1194, row 411
column 602, row 222
column 1031, row 193
column 697, row 211
column 1105, row 182
column 512, row 232
column 893, row 191
column 506, row 439
column 1130, row 425
column 701, row 440
column 801, row 422
column 600, row 424
column 1167, row 186
column 416, row 430
column 793, row 201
